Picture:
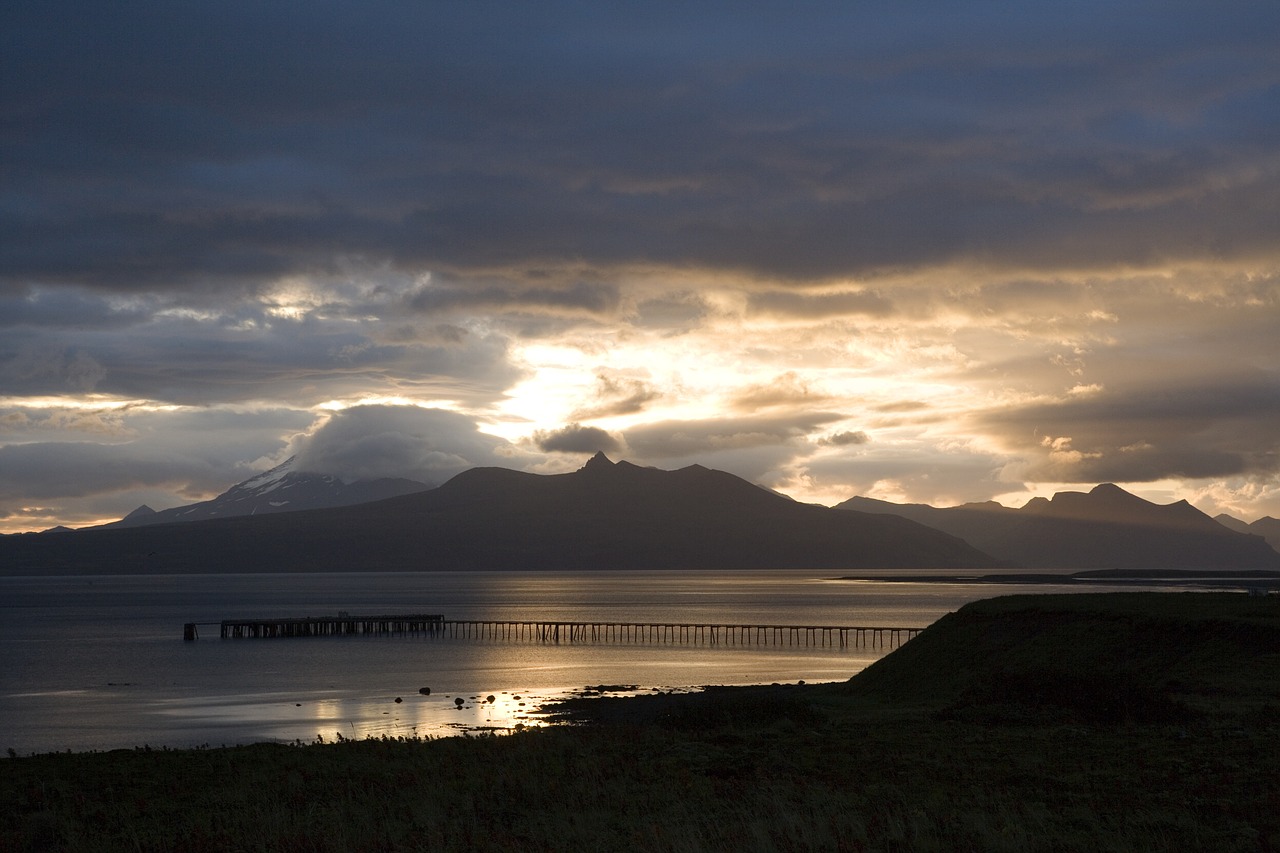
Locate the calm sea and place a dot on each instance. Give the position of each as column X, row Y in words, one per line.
column 98, row 663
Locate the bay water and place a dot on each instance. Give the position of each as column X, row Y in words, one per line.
column 99, row 663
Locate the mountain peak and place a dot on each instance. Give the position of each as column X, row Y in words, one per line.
column 1111, row 504
column 280, row 489
column 1104, row 495
column 599, row 462
column 616, row 516
column 1105, row 528
column 267, row 479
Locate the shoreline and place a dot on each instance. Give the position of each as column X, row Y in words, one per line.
column 1120, row 577
column 1136, row 721
column 452, row 714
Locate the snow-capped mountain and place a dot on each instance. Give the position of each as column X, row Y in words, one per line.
column 281, row 489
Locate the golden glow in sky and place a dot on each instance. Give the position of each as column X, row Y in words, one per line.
column 846, row 251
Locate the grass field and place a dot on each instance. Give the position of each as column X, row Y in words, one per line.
column 1115, row 722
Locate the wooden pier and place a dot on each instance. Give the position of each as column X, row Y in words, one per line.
column 320, row 626
column 654, row 633
column 670, row 633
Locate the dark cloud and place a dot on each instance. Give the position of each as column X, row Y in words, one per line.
column 67, row 308
column 47, row 470
column 96, row 464
column 844, row 439
column 27, row 512
column 576, row 438
column 147, row 149
column 52, row 368
column 242, row 351
column 1194, row 431
column 428, row 445
column 580, row 296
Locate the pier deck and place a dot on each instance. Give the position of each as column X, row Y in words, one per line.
column 558, row 631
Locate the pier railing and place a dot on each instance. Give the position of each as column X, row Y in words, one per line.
column 559, row 631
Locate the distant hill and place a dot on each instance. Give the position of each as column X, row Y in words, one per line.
column 603, row 516
column 1266, row 527
column 1106, row 528
column 282, row 489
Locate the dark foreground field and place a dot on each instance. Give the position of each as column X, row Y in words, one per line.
column 1111, row 722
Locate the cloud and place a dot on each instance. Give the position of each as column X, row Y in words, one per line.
column 61, row 369
column 761, row 449
column 93, row 464
column 576, row 438
column 618, row 392
column 790, row 304
column 844, row 439
column 428, row 445
column 835, row 142
column 1194, row 430
column 25, row 426
column 902, row 407
column 914, row 472
column 76, row 469
column 598, row 298
column 67, row 307
column 931, row 226
column 676, row 439
column 784, row 390
column 306, row 347
column 671, row 313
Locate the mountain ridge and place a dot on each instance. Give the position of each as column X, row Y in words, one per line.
column 1266, row 527
column 606, row 515
column 1105, row 528
column 280, row 489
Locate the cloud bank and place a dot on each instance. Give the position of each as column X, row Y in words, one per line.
column 933, row 253
column 427, row 445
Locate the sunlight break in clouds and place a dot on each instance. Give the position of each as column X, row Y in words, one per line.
column 842, row 249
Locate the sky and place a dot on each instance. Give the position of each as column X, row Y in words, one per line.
column 920, row 251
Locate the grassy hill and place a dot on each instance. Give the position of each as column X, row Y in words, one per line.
column 1117, row 657
column 1057, row 723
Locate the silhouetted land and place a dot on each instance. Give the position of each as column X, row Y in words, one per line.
column 605, row 516
column 1252, row 578
column 1266, row 527
column 1127, row 721
column 1105, row 528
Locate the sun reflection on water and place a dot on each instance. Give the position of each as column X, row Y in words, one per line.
column 293, row 717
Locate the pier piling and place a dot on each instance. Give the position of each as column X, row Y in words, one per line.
column 566, row 632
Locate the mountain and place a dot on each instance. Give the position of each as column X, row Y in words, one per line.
column 1266, row 527
column 281, row 489
column 1106, row 528
column 603, row 516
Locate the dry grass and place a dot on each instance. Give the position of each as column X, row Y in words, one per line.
column 994, row 761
